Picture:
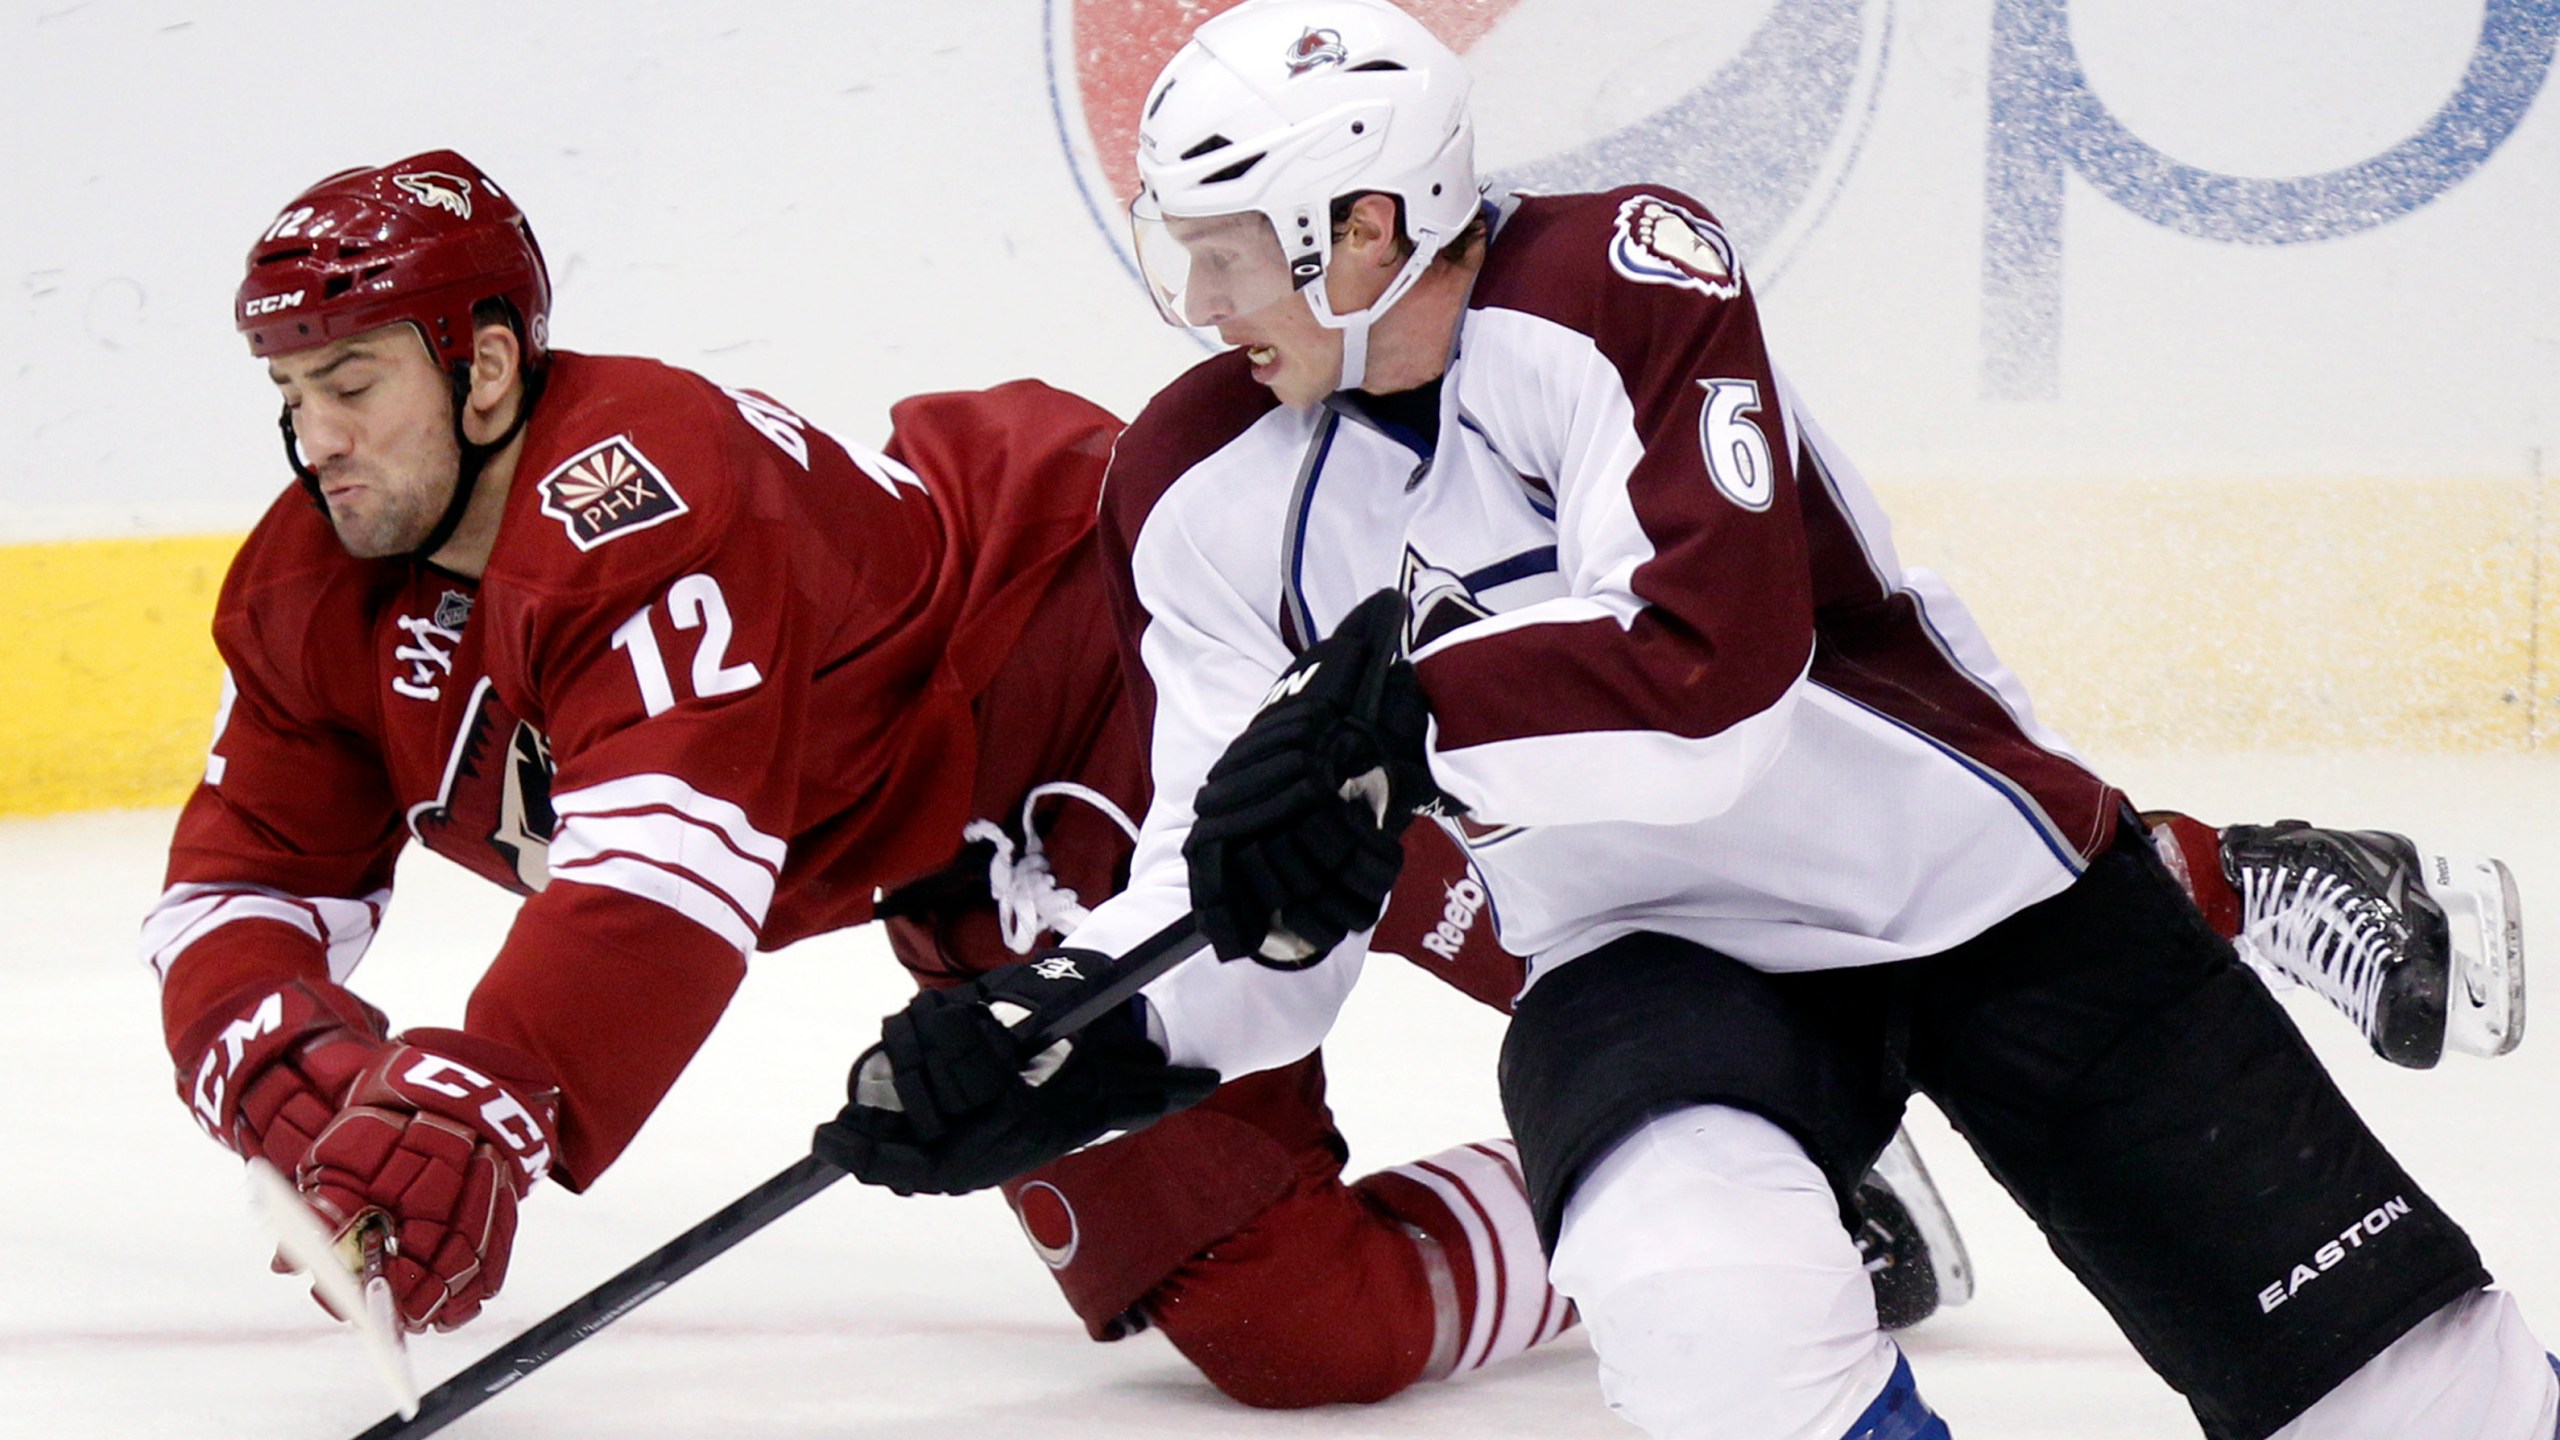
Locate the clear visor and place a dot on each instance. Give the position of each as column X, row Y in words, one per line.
column 1204, row 269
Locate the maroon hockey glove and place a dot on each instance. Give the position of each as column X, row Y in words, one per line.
column 1294, row 844
column 269, row 1066
column 439, row 1139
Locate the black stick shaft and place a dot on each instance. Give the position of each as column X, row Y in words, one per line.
column 548, row 1338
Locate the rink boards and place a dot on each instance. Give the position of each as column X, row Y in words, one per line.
column 2151, row 618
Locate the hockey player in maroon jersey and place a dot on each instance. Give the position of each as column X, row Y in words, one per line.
column 1498, row 512
column 695, row 679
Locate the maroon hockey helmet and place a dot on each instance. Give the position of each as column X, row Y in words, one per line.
column 422, row 240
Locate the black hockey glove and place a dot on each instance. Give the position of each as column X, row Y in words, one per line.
column 1296, row 843
column 948, row 1103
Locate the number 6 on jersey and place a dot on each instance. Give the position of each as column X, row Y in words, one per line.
column 693, row 603
column 1737, row 453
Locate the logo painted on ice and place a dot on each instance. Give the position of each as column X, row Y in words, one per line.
column 1765, row 130
column 1767, row 133
column 437, row 190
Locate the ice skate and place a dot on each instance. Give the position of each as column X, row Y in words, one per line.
column 2424, row 952
column 1908, row 1240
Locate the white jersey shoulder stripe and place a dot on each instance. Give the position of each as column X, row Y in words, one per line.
column 660, row 839
column 641, row 792
column 674, row 841
column 686, row 895
column 186, row 913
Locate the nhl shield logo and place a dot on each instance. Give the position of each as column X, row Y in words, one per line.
column 608, row 490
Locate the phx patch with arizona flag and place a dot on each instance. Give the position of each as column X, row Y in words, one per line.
column 608, row 490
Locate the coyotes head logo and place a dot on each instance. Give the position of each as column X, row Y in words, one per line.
column 437, row 190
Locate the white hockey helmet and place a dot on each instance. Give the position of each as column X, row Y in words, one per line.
column 1273, row 111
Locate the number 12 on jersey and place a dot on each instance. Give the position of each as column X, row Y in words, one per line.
column 692, row 603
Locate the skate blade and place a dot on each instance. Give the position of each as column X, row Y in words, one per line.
column 2484, row 927
column 1901, row 1168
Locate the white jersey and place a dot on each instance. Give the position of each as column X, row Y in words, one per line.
column 1678, row 677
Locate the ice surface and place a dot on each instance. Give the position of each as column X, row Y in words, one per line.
column 134, row 1300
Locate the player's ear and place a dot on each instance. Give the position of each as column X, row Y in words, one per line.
column 1370, row 231
column 497, row 372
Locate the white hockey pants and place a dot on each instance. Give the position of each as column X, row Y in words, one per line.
column 2470, row 1371
column 1725, row 1300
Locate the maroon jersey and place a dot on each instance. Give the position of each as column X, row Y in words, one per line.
column 718, row 687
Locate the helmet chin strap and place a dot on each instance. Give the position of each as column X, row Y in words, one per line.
column 1355, row 326
column 474, row 457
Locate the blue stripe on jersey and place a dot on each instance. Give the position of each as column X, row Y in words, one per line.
column 1541, row 561
column 2018, row 799
column 1301, row 506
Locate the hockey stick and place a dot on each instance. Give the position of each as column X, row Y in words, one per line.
column 546, row 1339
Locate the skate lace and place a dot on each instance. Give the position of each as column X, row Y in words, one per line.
column 2322, row 930
column 1029, row 899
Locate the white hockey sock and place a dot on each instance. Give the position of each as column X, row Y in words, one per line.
column 1471, row 1206
column 1723, row 1296
column 2471, row 1371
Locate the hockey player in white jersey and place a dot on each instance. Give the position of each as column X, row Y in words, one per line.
column 1500, row 513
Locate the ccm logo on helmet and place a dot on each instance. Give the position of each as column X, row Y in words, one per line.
column 437, row 189
column 269, row 304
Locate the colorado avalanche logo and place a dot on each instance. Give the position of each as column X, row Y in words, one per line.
column 1660, row 243
column 1765, row 127
column 607, row 490
column 1316, row 47
column 437, row 191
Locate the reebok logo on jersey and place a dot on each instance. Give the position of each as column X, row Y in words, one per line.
column 608, row 490
column 1465, row 901
column 1659, row 243
column 2333, row 1252
column 437, row 190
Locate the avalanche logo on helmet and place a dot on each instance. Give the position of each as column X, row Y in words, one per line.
column 1316, row 47
column 1660, row 243
column 437, row 190
column 606, row 490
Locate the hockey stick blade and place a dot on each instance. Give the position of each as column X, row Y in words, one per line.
column 364, row 1303
column 582, row 1318
column 548, row 1338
